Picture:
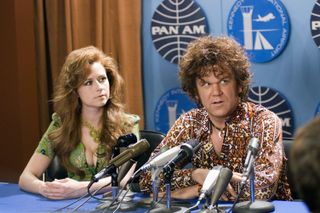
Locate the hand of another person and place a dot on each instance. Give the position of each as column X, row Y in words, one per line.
column 63, row 189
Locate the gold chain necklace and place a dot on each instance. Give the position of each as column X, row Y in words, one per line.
column 94, row 133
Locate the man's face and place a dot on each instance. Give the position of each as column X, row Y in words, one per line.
column 219, row 95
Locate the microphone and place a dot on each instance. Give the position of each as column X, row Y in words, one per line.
column 185, row 154
column 126, row 140
column 221, row 185
column 252, row 205
column 131, row 152
column 209, row 182
column 123, row 141
column 253, row 149
column 162, row 159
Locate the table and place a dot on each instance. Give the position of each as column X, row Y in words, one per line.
column 12, row 199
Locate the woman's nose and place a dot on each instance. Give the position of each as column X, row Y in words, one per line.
column 99, row 85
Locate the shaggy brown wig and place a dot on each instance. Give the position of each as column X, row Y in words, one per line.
column 68, row 105
column 207, row 52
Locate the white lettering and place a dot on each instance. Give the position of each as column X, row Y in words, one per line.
column 164, row 30
column 315, row 25
column 198, row 29
column 286, row 122
column 186, row 30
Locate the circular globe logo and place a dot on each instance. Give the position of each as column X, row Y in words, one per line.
column 170, row 106
column 174, row 24
column 277, row 103
column 315, row 23
column 262, row 27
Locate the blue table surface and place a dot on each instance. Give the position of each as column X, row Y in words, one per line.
column 12, row 199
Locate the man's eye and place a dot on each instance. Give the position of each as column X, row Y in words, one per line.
column 205, row 84
column 224, row 81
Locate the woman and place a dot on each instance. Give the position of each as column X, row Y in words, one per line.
column 88, row 119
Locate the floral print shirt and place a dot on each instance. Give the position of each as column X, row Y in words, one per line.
column 270, row 163
column 77, row 156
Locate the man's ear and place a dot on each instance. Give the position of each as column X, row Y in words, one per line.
column 198, row 101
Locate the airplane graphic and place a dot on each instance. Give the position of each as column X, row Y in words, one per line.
column 265, row 18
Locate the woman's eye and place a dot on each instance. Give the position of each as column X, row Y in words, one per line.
column 87, row 83
column 102, row 79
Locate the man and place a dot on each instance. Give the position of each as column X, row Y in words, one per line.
column 304, row 163
column 215, row 73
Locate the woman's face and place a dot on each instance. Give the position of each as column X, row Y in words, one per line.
column 94, row 92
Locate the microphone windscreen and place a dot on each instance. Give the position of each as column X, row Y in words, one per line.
column 126, row 140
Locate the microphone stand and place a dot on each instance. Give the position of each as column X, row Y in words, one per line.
column 114, row 190
column 253, row 206
column 167, row 172
column 114, row 184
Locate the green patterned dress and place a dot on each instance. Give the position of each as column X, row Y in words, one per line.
column 77, row 156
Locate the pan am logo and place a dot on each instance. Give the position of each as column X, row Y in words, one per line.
column 277, row 103
column 262, row 27
column 174, row 24
column 315, row 23
column 169, row 107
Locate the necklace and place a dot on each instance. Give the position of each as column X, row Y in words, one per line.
column 220, row 130
column 94, row 133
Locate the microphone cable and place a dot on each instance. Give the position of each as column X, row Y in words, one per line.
column 193, row 207
column 89, row 197
column 237, row 198
column 156, row 203
column 92, row 195
column 77, row 200
column 119, row 202
column 119, row 194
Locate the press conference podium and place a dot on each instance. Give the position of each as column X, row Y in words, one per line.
column 12, row 199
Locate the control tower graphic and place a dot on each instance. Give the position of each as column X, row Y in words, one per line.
column 260, row 41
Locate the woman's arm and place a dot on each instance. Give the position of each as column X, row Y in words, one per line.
column 30, row 178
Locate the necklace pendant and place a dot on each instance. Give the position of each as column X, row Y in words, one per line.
column 94, row 133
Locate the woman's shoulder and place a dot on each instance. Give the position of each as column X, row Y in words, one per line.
column 55, row 119
column 132, row 118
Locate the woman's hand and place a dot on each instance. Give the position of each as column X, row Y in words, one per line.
column 63, row 189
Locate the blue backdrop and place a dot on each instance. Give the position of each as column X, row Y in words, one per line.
column 293, row 75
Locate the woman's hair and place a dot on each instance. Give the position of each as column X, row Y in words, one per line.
column 67, row 105
column 205, row 54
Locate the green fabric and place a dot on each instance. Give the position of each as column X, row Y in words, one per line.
column 77, row 156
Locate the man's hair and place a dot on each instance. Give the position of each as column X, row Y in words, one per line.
column 204, row 54
column 304, row 163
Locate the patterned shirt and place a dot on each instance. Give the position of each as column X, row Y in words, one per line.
column 270, row 163
column 77, row 156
